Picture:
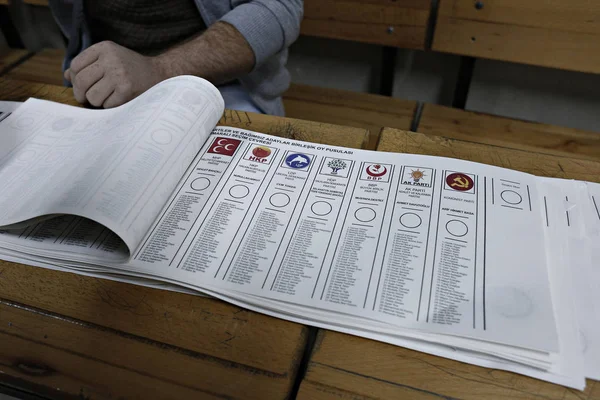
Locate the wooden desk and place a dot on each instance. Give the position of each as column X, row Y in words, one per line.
column 64, row 336
column 476, row 127
column 43, row 67
column 361, row 110
column 348, row 367
column 12, row 57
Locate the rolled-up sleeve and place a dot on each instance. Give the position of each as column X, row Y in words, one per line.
column 269, row 26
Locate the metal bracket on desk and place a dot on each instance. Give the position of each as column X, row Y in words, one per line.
column 388, row 69
column 414, row 126
column 431, row 23
column 303, row 366
column 463, row 82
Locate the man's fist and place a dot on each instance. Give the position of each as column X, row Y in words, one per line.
column 108, row 75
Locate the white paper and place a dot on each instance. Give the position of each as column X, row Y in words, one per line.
column 116, row 167
column 254, row 224
column 459, row 259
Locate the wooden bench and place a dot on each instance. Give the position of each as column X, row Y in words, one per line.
column 552, row 33
column 398, row 23
column 347, row 367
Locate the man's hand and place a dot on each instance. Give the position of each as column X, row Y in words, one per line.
column 108, row 75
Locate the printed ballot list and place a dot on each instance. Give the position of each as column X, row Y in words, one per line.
column 427, row 243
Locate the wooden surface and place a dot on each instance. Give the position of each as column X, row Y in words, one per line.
column 552, row 33
column 483, row 128
column 11, row 58
column 532, row 162
column 31, row 2
column 71, row 334
column 37, row 2
column 345, row 367
column 64, row 335
column 43, row 67
column 16, row 90
column 348, row 367
column 291, row 128
column 361, row 110
column 400, row 23
column 560, row 15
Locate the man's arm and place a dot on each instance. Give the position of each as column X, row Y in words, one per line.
column 109, row 75
column 219, row 55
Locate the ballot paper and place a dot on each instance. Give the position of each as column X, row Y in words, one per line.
column 574, row 219
column 463, row 260
column 7, row 108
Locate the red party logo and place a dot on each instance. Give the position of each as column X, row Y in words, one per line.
column 224, row 146
column 261, row 152
column 376, row 170
column 460, row 182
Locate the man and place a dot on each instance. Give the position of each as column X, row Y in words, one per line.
column 120, row 48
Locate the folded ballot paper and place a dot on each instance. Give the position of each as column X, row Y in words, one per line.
column 467, row 261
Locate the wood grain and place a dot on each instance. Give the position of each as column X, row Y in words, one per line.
column 580, row 16
column 488, row 129
column 387, row 12
column 342, row 107
column 386, row 22
column 93, row 337
column 43, row 3
column 532, row 162
column 71, row 357
column 297, row 129
column 550, row 33
column 250, row 344
column 11, row 58
column 44, row 67
column 16, row 90
column 348, row 367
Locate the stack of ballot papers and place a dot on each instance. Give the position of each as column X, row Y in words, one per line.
column 476, row 263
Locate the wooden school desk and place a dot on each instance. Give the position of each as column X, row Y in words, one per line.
column 100, row 339
column 68, row 336
column 345, row 367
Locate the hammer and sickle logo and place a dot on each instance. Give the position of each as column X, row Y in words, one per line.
column 460, row 182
